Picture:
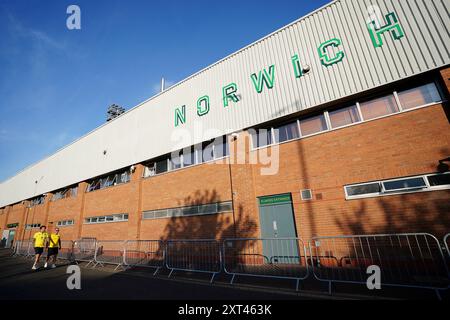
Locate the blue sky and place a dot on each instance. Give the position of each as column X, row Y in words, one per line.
column 56, row 84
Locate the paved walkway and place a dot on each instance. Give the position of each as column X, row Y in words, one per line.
column 18, row 281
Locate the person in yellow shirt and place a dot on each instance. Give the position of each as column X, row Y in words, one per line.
column 54, row 243
column 40, row 242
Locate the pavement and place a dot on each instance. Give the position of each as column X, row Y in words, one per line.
column 19, row 282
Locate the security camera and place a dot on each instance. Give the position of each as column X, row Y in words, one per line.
column 306, row 68
column 234, row 136
column 132, row 168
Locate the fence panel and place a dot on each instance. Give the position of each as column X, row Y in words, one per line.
column 405, row 260
column 194, row 255
column 283, row 258
column 66, row 251
column 110, row 252
column 145, row 253
column 84, row 250
column 24, row 248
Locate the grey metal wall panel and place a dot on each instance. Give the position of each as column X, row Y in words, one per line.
column 148, row 130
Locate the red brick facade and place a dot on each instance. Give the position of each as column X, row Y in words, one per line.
column 405, row 144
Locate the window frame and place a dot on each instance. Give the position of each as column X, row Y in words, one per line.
column 326, row 112
column 121, row 217
column 384, row 193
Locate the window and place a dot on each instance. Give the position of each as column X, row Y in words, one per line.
column 65, row 223
column 188, row 157
column 399, row 186
column 207, row 152
column 37, row 201
column 313, row 125
column 261, row 137
column 107, row 219
column 439, row 180
column 161, row 166
column 109, row 180
column 65, row 193
column 404, row 184
column 175, row 161
column 363, row 189
column 287, row 132
column 379, row 107
column 221, row 147
column 419, row 96
column 344, row 117
column 204, row 209
column 32, row 226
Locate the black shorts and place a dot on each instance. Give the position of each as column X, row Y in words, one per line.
column 38, row 250
column 52, row 252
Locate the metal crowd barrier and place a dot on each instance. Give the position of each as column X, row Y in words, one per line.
column 144, row 253
column 24, row 248
column 66, row 251
column 405, row 260
column 281, row 258
column 109, row 252
column 447, row 244
column 84, row 250
column 202, row 256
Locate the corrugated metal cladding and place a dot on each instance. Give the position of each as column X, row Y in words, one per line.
column 148, row 130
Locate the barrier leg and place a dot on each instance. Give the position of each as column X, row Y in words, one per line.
column 170, row 273
column 329, row 288
column 154, row 273
column 438, row 294
column 232, row 279
column 297, row 285
column 212, row 278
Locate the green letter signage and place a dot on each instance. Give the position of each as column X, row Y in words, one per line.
column 180, row 116
column 325, row 56
column 297, row 67
column 267, row 78
column 392, row 26
column 203, row 106
column 229, row 93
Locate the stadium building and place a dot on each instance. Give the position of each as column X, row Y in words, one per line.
column 335, row 124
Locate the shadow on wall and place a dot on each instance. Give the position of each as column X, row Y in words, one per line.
column 426, row 212
column 204, row 255
column 406, row 214
column 216, row 226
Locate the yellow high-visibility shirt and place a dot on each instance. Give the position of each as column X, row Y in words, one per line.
column 54, row 240
column 40, row 238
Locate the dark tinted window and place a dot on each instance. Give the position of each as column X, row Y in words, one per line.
column 439, row 180
column 410, row 183
column 363, row 189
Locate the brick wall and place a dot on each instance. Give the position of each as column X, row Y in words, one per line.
column 405, row 144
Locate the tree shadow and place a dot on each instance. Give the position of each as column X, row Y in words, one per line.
column 195, row 242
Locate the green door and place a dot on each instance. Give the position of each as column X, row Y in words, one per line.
column 278, row 229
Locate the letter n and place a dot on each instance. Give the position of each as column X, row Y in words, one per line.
column 180, row 116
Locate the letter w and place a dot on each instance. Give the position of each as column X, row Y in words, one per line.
column 264, row 77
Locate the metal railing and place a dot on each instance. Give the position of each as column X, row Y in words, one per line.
column 84, row 250
column 66, row 251
column 281, row 258
column 109, row 252
column 413, row 260
column 144, row 253
column 405, row 260
column 447, row 244
column 24, row 248
column 202, row 256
